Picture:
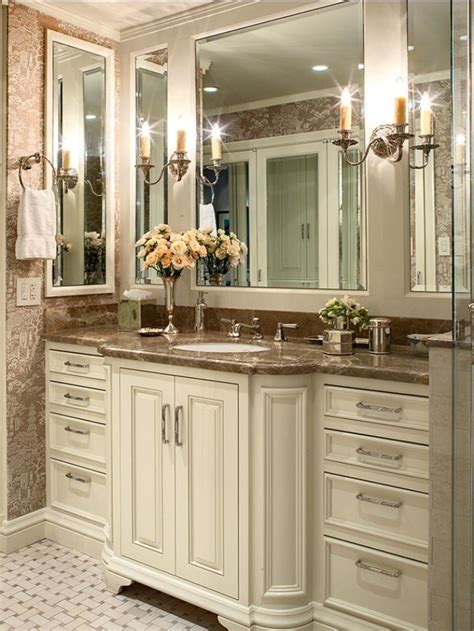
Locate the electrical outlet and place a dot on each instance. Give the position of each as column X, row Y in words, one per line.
column 28, row 291
column 444, row 246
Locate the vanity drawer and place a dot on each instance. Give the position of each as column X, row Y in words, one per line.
column 370, row 406
column 377, row 510
column 384, row 588
column 78, row 490
column 77, row 364
column 81, row 440
column 89, row 402
column 369, row 452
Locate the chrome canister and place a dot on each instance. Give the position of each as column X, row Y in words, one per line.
column 380, row 336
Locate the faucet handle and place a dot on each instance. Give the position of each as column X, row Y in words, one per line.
column 280, row 332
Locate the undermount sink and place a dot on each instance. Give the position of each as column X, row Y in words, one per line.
column 220, row 347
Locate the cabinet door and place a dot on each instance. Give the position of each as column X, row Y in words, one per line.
column 207, row 500
column 147, row 468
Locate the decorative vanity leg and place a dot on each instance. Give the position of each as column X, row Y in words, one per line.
column 231, row 626
column 114, row 582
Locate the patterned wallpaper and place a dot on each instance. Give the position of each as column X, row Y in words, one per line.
column 281, row 120
column 25, row 326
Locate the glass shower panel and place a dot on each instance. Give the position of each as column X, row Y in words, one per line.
column 463, row 299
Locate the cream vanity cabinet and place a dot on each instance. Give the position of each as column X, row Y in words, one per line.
column 76, row 450
column 179, row 477
column 277, row 501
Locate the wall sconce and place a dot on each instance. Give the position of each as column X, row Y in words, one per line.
column 387, row 140
column 67, row 176
column 216, row 166
column 178, row 163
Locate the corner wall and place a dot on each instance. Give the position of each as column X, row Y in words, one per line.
column 25, row 389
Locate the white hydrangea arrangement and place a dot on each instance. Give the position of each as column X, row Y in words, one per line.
column 223, row 251
column 168, row 252
column 345, row 310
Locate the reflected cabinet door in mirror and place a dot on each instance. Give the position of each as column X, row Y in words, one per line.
column 268, row 103
column 429, row 70
column 151, row 113
column 79, row 138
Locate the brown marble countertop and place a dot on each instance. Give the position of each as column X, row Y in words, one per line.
column 287, row 358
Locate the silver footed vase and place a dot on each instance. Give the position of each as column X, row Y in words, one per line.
column 169, row 283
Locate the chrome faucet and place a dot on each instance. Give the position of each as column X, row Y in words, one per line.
column 280, row 335
column 236, row 327
column 199, row 313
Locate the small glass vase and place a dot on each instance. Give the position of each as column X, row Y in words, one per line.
column 216, row 280
column 342, row 323
column 169, row 283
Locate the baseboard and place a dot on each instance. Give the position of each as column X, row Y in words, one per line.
column 74, row 533
column 21, row 532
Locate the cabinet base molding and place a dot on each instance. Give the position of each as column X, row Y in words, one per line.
column 75, row 533
column 23, row 531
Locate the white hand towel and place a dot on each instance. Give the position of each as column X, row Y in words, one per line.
column 36, row 225
column 207, row 217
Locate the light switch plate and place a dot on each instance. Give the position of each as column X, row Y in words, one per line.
column 28, row 291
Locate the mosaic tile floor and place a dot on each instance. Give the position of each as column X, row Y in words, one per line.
column 47, row 586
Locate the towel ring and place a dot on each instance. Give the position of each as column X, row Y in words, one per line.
column 27, row 162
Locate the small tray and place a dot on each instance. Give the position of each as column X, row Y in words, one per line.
column 149, row 331
column 318, row 339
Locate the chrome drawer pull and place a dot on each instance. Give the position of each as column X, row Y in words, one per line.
column 165, row 410
column 73, row 397
column 82, row 432
column 378, row 454
column 378, row 570
column 74, row 365
column 375, row 500
column 76, row 478
column 378, row 408
column 177, row 418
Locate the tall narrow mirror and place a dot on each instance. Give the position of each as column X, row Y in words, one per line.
column 79, row 88
column 429, row 69
column 268, row 111
column 151, row 79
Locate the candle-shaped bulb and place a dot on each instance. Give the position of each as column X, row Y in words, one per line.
column 426, row 116
column 181, row 136
column 400, row 114
column 145, row 141
column 216, row 142
column 345, row 118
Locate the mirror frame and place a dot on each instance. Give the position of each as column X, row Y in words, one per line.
column 53, row 37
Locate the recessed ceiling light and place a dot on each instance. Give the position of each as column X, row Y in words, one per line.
column 320, row 68
column 91, row 117
column 411, row 48
column 211, row 89
column 360, row 66
column 463, row 38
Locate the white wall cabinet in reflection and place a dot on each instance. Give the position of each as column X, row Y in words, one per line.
column 79, row 139
column 298, row 206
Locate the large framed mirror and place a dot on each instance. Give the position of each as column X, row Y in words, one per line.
column 429, row 71
column 270, row 109
column 151, row 118
column 79, row 139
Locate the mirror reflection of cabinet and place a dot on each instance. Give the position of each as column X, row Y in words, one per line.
column 306, row 205
column 284, row 188
column 79, row 137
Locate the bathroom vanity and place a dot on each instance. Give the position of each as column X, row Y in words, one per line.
column 281, row 489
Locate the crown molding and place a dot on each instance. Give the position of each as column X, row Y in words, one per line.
column 67, row 16
column 215, row 7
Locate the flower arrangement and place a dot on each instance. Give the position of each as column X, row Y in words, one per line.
column 62, row 243
column 94, row 240
column 168, row 252
column 94, row 258
column 223, row 251
column 344, row 312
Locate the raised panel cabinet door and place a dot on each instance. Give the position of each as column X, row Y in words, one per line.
column 207, row 493
column 147, row 468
